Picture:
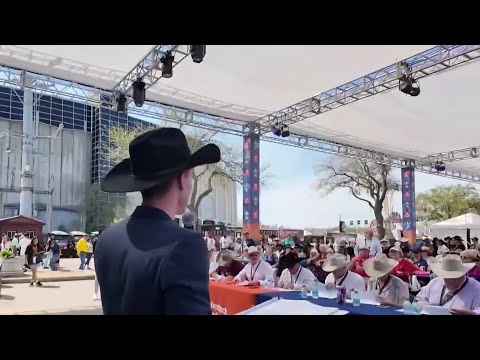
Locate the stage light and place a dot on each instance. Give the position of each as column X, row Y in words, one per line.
column 285, row 131
column 167, row 62
column 439, row 166
column 138, row 92
column 198, row 52
column 276, row 130
column 408, row 85
column 121, row 103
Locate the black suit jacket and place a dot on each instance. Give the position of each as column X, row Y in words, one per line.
column 149, row 265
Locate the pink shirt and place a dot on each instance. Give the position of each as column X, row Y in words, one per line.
column 467, row 298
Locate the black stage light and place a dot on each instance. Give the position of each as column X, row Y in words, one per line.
column 138, row 92
column 408, row 85
column 276, row 130
column 439, row 166
column 198, row 52
column 285, row 131
column 121, row 103
column 167, row 62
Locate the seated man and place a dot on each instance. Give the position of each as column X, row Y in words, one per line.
column 472, row 256
column 257, row 272
column 339, row 275
column 452, row 289
column 227, row 265
column 294, row 276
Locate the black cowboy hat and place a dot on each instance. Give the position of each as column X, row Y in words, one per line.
column 291, row 259
column 156, row 157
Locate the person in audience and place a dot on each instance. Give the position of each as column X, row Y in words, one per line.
column 294, row 276
column 343, row 250
column 34, row 254
column 419, row 260
column 311, row 264
column 339, row 275
column 210, row 242
column 299, row 250
column 457, row 244
column 392, row 290
column 475, row 245
column 442, row 251
column 404, row 245
column 288, row 241
column 404, row 267
column 452, row 289
column 356, row 265
column 269, row 256
column 472, row 256
column 212, row 260
column 238, row 246
column 371, row 243
column 188, row 220
column 227, row 265
column 426, row 255
column 385, row 246
column 257, row 272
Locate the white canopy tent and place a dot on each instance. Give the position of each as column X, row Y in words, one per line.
column 457, row 226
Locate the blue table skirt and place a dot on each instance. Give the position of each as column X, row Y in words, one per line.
column 363, row 309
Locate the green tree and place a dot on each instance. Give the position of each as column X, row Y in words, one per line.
column 445, row 202
column 104, row 209
column 205, row 178
column 367, row 182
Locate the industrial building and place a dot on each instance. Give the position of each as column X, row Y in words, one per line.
column 70, row 157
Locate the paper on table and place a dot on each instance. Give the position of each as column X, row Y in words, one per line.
column 323, row 292
column 294, row 307
column 435, row 310
column 368, row 297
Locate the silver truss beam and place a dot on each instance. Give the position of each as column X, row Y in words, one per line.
column 455, row 155
column 47, row 85
column 429, row 62
column 150, row 67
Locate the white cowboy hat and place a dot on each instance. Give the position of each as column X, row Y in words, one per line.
column 323, row 248
column 404, row 240
column 363, row 247
column 396, row 248
column 224, row 256
column 334, row 262
column 378, row 267
column 252, row 249
column 451, row 267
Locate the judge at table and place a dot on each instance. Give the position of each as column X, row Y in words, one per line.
column 257, row 271
column 227, row 265
column 339, row 275
column 294, row 277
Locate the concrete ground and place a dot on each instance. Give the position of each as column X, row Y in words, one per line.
column 62, row 298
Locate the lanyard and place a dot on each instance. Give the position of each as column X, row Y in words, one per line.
column 384, row 285
column 291, row 277
column 342, row 279
column 252, row 273
column 449, row 296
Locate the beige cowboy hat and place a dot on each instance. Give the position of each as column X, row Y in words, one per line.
column 470, row 254
column 323, row 248
column 224, row 256
column 404, row 240
column 396, row 248
column 363, row 247
column 378, row 267
column 334, row 262
column 252, row 250
column 451, row 267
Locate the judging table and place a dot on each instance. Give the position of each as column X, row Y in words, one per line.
column 230, row 299
column 363, row 309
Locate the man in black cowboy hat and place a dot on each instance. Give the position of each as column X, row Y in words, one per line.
column 294, row 276
column 147, row 264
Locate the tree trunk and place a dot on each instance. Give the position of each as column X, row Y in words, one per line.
column 380, row 221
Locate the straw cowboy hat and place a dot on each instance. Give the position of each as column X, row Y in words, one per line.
column 397, row 249
column 334, row 262
column 378, row 267
column 252, row 250
column 404, row 240
column 323, row 248
column 470, row 254
column 363, row 247
column 156, row 157
column 451, row 267
column 224, row 256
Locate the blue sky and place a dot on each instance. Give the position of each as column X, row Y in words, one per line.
column 291, row 199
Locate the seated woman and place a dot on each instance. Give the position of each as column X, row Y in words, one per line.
column 472, row 256
column 405, row 267
column 316, row 260
column 227, row 265
column 392, row 290
column 269, row 256
column 357, row 262
column 419, row 260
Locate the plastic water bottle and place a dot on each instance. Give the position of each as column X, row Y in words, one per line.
column 304, row 292
column 356, row 298
column 416, row 309
column 315, row 290
column 407, row 308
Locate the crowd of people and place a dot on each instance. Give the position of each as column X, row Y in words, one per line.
column 432, row 271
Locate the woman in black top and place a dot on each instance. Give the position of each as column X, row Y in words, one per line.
column 34, row 253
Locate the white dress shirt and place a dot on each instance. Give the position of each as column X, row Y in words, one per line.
column 24, row 242
column 303, row 276
column 351, row 281
column 224, row 243
column 466, row 298
column 261, row 272
column 211, row 243
column 373, row 244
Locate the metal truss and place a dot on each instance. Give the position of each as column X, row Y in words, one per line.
column 455, row 155
column 156, row 111
column 149, row 69
column 429, row 62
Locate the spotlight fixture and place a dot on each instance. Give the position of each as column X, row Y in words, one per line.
column 408, row 85
column 439, row 166
column 138, row 92
column 121, row 103
column 167, row 62
column 276, row 130
column 198, row 52
column 285, row 131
